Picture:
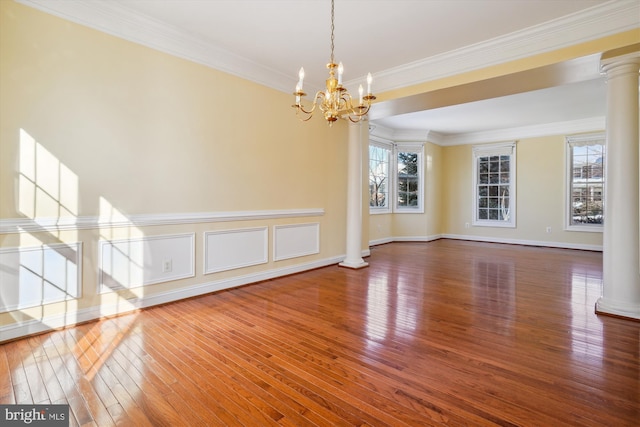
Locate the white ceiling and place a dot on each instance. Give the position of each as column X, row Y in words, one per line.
column 401, row 42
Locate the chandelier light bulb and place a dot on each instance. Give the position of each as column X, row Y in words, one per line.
column 340, row 71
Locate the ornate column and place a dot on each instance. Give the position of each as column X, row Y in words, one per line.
column 354, row 199
column 621, row 238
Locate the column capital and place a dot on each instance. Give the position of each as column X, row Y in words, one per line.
column 613, row 63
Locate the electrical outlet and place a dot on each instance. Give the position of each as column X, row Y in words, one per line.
column 548, row 229
column 167, row 265
column 466, row 225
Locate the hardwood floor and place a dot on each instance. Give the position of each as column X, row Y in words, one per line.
column 440, row 333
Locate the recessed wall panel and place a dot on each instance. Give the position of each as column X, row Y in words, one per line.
column 295, row 240
column 131, row 263
column 34, row 276
column 231, row 249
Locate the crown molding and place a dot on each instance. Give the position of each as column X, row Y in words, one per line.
column 596, row 22
column 557, row 128
column 599, row 21
column 533, row 131
column 117, row 20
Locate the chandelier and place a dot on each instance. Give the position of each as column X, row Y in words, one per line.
column 334, row 101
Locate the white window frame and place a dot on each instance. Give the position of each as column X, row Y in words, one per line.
column 576, row 141
column 417, row 148
column 487, row 150
column 390, row 178
column 392, row 188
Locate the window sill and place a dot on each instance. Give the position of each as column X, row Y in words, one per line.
column 585, row 228
column 379, row 211
column 500, row 224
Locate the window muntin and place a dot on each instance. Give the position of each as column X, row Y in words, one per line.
column 395, row 177
column 408, row 179
column 494, row 185
column 585, row 182
column 409, row 186
column 379, row 162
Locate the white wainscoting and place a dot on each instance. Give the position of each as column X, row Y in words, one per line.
column 131, row 263
column 295, row 240
column 231, row 249
column 33, row 276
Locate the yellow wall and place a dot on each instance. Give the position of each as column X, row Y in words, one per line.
column 123, row 130
column 448, row 199
column 415, row 226
column 540, row 192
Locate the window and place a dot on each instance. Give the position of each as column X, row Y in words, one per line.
column 379, row 160
column 585, row 182
column 409, row 179
column 400, row 182
column 494, row 185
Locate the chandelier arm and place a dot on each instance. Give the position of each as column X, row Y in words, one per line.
column 309, row 115
column 301, row 108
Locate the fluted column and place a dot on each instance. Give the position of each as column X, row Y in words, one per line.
column 621, row 238
column 354, row 199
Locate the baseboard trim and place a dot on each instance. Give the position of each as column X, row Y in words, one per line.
column 62, row 320
column 405, row 239
column 539, row 243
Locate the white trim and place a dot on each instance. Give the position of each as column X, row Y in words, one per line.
column 116, row 19
column 388, row 146
column 536, row 243
column 377, row 242
column 409, row 147
column 533, row 131
column 27, row 225
column 499, row 149
column 76, row 260
column 147, row 270
column 570, row 142
column 287, row 245
column 618, row 308
column 542, row 243
column 417, row 238
column 20, row 329
column 237, row 248
column 602, row 20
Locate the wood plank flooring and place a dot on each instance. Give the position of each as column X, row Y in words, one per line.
column 440, row 333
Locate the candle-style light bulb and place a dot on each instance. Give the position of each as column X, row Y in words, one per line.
column 298, row 89
column 301, row 76
column 360, row 90
column 369, row 81
column 340, row 71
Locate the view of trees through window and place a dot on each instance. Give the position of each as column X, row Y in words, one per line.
column 378, row 176
column 408, row 177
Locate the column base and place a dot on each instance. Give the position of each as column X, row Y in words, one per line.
column 612, row 308
column 354, row 264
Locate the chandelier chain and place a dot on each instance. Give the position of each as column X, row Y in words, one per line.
column 332, row 29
